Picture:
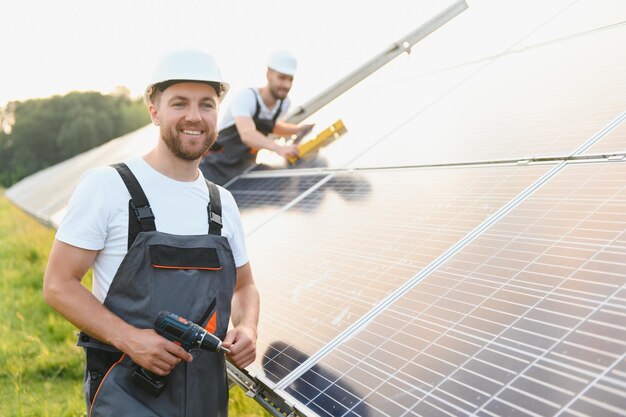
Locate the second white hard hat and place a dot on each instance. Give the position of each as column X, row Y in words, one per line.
column 282, row 61
column 190, row 65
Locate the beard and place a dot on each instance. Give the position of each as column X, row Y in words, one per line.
column 278, row 94
column 174, row 143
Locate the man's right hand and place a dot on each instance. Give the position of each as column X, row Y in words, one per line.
column 64, row 292
column 153, row 352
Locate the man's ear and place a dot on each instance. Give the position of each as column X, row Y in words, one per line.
column 154, row 114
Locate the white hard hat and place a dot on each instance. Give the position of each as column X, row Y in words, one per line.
column 282, row 61
column 188, row 65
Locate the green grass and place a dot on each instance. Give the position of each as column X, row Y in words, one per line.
column 41, row 367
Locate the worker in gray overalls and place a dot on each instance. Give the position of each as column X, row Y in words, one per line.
column 158, row 236
column 253, row 115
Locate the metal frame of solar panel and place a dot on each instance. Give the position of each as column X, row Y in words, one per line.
column 466, row 288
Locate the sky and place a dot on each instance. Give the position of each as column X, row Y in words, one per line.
column 57, row 46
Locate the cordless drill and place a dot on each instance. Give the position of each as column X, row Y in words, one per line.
column 184, row 333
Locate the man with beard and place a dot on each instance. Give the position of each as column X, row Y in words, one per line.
column 253, row 114
column 158, row 236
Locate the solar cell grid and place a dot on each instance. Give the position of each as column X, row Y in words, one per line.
column 545, row 337
column 336, row 254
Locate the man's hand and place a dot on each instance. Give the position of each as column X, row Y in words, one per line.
column 153, row 352
column 305, row 129
column 241, row 339
column 65, row 293
column 287, row 151
column 242, row 344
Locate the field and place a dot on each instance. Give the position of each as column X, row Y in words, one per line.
column 41, row 367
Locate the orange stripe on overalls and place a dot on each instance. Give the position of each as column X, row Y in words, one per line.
column 211, row 326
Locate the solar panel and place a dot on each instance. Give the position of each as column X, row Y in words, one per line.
column 337, row 253
column 528, row 319
column 524, row 105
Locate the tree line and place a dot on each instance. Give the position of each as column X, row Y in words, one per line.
column 38, row 133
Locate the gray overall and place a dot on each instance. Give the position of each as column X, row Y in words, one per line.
column 229, row 156
column 192, row 276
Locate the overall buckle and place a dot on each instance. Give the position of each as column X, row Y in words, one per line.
column 215, row 218
column 142, row 213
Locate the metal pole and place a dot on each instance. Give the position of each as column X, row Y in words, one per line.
column 403, row 45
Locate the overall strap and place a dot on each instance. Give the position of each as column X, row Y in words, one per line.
column 214, row 209
column 258, row 105
column 277, row 114
column 143, row 219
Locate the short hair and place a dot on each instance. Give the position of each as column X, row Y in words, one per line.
column 155, row 96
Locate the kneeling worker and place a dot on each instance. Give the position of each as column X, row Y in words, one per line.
column 159, row 237
column 252, row 116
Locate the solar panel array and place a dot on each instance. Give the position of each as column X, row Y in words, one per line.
column 461, row 250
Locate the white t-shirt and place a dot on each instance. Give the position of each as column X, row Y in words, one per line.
column 244, row 104
column 97, row 216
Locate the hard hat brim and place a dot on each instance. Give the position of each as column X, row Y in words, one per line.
column 221, row 88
